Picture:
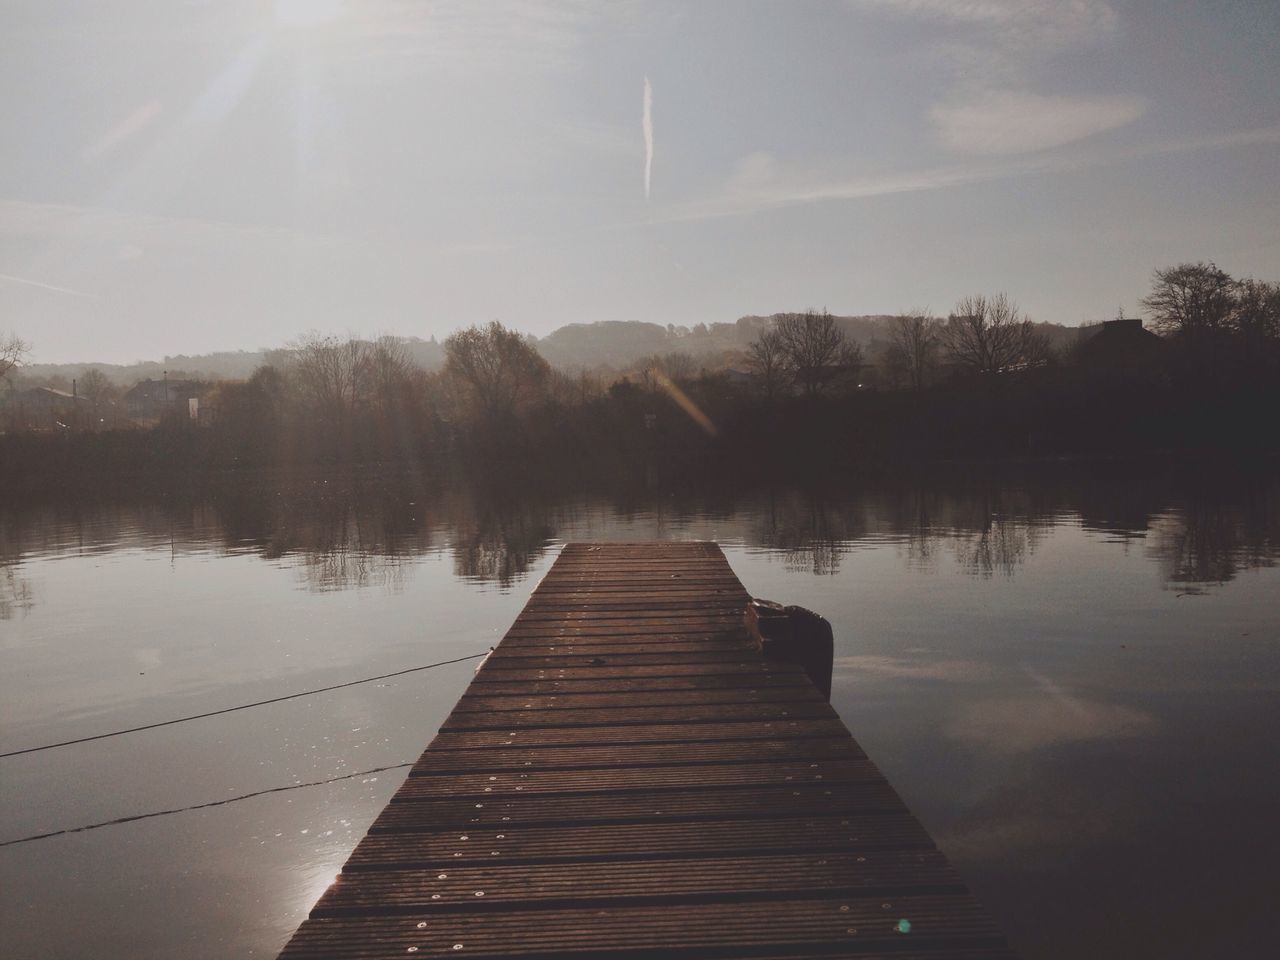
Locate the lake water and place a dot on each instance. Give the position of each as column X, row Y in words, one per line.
column 1071, row 675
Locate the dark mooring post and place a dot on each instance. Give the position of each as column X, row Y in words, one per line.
column 791, row 634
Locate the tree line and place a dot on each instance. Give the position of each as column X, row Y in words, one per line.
column 982, row 380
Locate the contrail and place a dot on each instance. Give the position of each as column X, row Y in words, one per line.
column 43, row 286
column 648, row 136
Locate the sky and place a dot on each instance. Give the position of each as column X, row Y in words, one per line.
column 181, row 177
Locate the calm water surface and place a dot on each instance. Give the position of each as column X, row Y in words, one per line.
column 1072, row 678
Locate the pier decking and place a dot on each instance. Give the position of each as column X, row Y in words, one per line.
column 627, row 776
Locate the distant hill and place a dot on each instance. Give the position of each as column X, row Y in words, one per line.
column 619, row 344
column 224, row 365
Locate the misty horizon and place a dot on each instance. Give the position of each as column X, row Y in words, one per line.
column 33, row 364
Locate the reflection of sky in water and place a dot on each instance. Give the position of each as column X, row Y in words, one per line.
column 1081, row 710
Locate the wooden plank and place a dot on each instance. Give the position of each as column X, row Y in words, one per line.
column 517, row 659
column 448, row 887
column 630, row 627
column 637, row 684
column 612, row 779
column 621, row 623
column 430, row 845
column 639, row 733
column 583, row 757
column 716, row 590
column 578, row 701
column 682, row 806
column 628, row 634
column 670, row 596
column 701, row 713
column 627, row 777
column 603, row 586
column 689, row 930
column 609, row 646
column 491, row 671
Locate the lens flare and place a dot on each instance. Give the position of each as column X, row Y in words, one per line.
column 685, row 403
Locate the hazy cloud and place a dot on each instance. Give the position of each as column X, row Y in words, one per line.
column 1019, row 724
column 877, row 668
column 995, row 49
column 758, row 184
column 1027, row 23
column 753, row 171
column 1006, row 121
column 1026, row 723
column 1044, row 818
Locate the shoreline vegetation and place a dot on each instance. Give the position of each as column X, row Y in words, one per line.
column 804, row 396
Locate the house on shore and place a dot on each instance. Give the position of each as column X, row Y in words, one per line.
column 43, row 408
column 1121, row 345
column 149, row 400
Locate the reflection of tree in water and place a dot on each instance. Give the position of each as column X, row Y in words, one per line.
column 346, row 528
column 15, row 590
column 497, row 535
column 347, row 551
column 989, row 530
column 912, row 516
column 1209, row 541
column 996, row 530
column 363, row 530
column 1001, row 545
column 812, row 533
column 339, row 529
column 349, row 530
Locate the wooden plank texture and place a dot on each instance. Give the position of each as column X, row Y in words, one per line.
column 627, row 777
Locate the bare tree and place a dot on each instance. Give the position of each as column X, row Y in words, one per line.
column 13, row 350
column 675, row 364
column 330, row 372
column 574, row 387
column 815, row 349
column 765, row 360
column 987, row 335
column 1191, row 300
column 388, row 371
column 678, row 365
column 914, row 342
column 496, row 369
column 1256, row 311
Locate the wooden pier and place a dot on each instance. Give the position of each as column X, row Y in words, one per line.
column 627, row 776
